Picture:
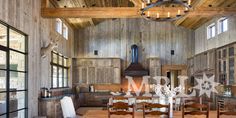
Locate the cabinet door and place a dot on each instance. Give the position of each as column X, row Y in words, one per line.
column 231, row 65
column 83, row 74
column 211, row 60
column 58, row 110
column 82, row 101
column 91, row 75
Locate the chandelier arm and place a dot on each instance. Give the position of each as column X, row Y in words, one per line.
column 163, row 19
column 159, row 3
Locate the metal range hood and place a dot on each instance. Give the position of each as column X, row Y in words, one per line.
column 135, row 68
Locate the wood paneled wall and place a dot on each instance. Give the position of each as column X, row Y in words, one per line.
column 25, row 16
column 113, row 38
column 203, row 44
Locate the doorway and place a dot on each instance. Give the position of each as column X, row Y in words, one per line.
column 172, row 72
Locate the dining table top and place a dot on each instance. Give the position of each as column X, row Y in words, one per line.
column 139, row 114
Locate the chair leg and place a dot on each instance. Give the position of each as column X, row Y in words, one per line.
column 182, row 111
column 133, row 112
column 109, row 115
column 218, row 110
column 143, row 110
column 208, row 109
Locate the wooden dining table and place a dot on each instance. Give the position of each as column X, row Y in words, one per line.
column 139, row 114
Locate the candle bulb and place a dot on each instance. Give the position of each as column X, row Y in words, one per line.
column 149, row 1
column 148, row 14
column 168, row 14
column 142, row 5
column 186, row 9
column 189, row 2
column 178, row 12
column 158, row 16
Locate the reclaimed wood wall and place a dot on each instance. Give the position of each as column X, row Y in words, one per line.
column 25, row 16
column 202, row 62
column 203, row 44
column 113, row 38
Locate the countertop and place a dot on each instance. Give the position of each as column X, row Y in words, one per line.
column 229, row 97
column 55, row 97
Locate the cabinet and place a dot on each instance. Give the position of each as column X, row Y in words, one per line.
column 203, row 62
column 51, row 107
column 97, row 70
column 226, row 64
column 94, row 99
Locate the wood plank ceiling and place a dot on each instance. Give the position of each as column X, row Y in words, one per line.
column 189, row 21
column 194, row 22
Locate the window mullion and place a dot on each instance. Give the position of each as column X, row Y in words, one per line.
column 57, row 71
column 6, row 48
column 8, row 73
column 63, row 72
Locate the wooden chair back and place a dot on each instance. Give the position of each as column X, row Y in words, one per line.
column 140, row 101
column 120, row 108
column 223, row 112
column 189, row 100
column 120, row 98
column 148, row 109
column 67, row 106
column 192, row 106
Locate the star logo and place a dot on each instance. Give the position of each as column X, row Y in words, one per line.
column 206, row 85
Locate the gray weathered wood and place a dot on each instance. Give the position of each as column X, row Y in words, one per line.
column 113, row 39
column 25, row 16
column 97, row 70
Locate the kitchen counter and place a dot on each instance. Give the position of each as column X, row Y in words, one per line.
column 55, row 97
column 227, row 97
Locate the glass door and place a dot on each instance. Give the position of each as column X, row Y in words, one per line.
column 3, row 82
column 3, row 72
column 13, row 72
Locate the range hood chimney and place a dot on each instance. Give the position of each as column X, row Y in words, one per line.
column 135, row 68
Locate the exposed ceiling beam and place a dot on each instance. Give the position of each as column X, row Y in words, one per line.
column 127, row 12
column 102, row 12
column 55, row 5
column 90, row 19
column 213, row 11
column 196, row 4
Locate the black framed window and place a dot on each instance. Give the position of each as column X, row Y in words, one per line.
column 59, row 70
column 13, row 72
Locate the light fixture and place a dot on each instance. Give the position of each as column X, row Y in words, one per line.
column 182, row 8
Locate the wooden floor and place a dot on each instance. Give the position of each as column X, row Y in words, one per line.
column 103, row 114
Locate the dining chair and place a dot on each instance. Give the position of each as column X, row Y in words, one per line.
column 140, row 101
column 68, row 109
column 120, row 108
column 192, row 106
column 154, row 109
column 229, row 111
